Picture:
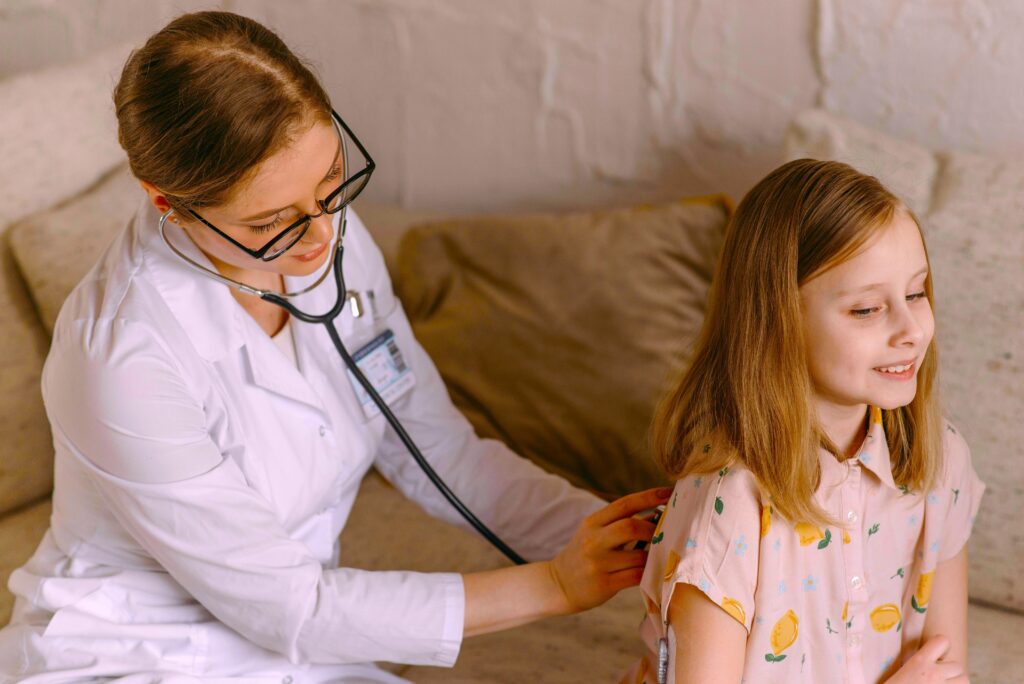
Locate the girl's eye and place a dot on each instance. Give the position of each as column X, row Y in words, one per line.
column 916, row 296
column 266, row 226
column 864, row 313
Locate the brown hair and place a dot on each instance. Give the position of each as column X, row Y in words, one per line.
column 206, row 100
column 749, row 389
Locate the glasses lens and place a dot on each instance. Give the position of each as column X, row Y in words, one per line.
column 286, row 241
column 348, row 192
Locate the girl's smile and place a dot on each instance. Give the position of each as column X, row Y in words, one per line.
column 867, row 326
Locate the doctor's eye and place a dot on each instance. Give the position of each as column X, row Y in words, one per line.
column 333, row 175
column 266, row 226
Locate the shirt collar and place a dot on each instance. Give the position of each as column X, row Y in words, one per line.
column 873, row 454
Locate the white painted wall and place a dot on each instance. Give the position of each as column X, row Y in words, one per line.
column 493, row 104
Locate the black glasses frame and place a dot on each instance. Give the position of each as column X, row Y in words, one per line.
column 366, row 172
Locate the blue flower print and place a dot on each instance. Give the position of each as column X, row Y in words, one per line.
column 691, row 543
column 810, row 584
column 696, row 483
column 704, row 586
column 886, row 664
column 782, row 587
column 932, row 499
column 778, row 544
column 934, row 548
column 741, row 545
column 758, row 620
column 912, row 520
column 864, row 457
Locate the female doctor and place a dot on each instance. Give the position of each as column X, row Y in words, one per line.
column 209, row 448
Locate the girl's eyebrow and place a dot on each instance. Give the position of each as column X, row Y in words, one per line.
column 265, row 214
column 874, row 286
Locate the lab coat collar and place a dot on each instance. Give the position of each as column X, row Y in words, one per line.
column 873, row 455
column 207, row 312
column 218, row 326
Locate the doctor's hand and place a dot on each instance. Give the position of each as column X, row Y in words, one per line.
column 593, row 567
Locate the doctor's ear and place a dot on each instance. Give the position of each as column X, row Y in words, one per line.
column 157, row 198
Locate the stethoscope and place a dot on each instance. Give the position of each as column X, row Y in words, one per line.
column 327, row 319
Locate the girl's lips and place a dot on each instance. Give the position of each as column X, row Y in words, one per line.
column 309, row 256
column 902, row 375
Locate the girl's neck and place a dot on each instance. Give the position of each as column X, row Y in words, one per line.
column 845, row 426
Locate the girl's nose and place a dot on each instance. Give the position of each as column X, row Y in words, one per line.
column 909, row 331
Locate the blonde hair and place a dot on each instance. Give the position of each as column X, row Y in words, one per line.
column 749, row 390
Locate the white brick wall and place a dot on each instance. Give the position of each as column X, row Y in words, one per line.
column 491, row 104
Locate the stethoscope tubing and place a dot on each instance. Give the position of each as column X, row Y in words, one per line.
column 327, row 319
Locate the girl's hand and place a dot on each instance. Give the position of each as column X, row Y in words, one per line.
column 926, row 666
column 592, row 568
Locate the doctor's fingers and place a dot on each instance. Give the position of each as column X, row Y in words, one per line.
column 631, row 504
column 624, row 531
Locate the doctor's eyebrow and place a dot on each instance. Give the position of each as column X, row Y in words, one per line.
column 334, row 165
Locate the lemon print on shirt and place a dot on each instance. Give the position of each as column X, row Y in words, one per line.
column 885, row 617
column 876, row 415
column 766, row 519
column 783, row 635
column 671, row 564
column 809, row 534
column 919, row 601
column 734, row 608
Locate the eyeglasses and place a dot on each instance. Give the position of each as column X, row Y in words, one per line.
column 338, row 199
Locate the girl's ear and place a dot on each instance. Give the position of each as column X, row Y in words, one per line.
column 155, row 196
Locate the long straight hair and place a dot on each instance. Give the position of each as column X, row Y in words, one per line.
column 749, row 390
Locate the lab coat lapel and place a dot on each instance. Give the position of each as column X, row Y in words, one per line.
column 271, row 370
column 214, row 322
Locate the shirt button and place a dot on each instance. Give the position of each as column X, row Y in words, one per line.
column 323, row 431
column 852, row 516
column 856, row 582
column 853, row 640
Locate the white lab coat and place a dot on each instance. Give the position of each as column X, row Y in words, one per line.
column 202, row 481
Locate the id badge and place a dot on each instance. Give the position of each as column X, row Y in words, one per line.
column 382, row 363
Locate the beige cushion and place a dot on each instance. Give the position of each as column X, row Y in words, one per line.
column 20, row 533
column 974, row 229
column 55, row 248
column 909, row 170
column 995, row 649
column 557, row 333
column 58, row 138
column 975, row 235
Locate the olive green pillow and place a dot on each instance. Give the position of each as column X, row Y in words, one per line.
column 558, row 333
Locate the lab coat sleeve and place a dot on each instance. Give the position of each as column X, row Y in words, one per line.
column 533, row 511
column 137, row 428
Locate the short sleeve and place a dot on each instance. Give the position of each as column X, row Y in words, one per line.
column 709, row 537
column 961, row 488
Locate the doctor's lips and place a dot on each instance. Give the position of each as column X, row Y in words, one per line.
column 309, row 256
column 903, row 370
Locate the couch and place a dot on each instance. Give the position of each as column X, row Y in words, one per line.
column 574, row 309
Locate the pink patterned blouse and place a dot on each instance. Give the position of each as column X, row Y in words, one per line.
column 819, row 604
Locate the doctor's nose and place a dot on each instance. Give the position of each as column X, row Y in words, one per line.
column 320, row 230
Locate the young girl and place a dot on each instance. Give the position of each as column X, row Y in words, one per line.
column 818, row 525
